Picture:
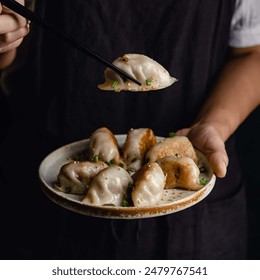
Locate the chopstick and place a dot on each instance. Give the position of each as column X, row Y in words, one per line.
column 28, row 14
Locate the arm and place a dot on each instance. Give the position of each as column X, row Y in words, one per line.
column 13, row 28
column 235, row 95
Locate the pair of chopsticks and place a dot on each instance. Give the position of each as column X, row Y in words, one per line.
column 26, row 13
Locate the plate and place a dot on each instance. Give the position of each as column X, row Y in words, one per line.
column 173, row 200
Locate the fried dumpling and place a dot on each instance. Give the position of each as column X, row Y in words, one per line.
column 179, row 146
column 104, row 146
column 180, row 172
column 108, row 187
column 147, row 71
column 74, row 177
column 138, row 142
column 149, row 182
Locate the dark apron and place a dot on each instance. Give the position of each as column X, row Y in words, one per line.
column 190, row 39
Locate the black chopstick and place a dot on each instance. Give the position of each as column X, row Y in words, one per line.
column 28, row 14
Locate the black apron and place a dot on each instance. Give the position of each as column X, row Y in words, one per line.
column 190, row 39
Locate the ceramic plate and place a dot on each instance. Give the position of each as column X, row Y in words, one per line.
column 173, row 200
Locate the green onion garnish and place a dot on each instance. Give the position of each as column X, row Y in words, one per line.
column 148, row 82
column 203, row 181
column 95, row 158
column 68, row 189
column 172, row 134
column 115, row 84
column 111, row 162
column 124, row 203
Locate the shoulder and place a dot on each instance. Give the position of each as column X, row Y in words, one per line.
column 245, row 25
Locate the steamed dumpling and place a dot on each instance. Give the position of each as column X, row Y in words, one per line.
column 104, row 146
column 108, row 187
column 180, row 172
column 147, row 71
column 149, row 182
column 138, row 142
column 74, row 177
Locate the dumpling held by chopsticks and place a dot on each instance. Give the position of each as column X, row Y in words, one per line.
column 147, row 71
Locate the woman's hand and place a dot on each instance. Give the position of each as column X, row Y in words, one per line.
column 13, row 28
column 207, row 139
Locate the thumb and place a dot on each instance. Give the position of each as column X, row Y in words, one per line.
column 218, row 161
column 207, row 139
column 183, row 132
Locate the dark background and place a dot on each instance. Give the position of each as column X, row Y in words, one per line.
column 248, row 141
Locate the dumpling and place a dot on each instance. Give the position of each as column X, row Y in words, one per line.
column 180, row 172
column 108, row 187
column 147, row 71
column 179, row 146
column 74, row 177
column 149, row 182
column 104, row 146
column 138, row 142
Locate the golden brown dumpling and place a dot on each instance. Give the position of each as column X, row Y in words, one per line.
column 180, row 172
column 138, row 142
column 179, row 146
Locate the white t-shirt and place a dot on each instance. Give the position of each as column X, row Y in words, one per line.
column 245, row 25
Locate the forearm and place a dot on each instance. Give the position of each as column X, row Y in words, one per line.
column 236, row 93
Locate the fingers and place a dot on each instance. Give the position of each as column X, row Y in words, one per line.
column 207, row 139
column 219, row 163
column 11, row 21
column 217, row 156
column 13, row 28
column 11, row 37
column 183, row 132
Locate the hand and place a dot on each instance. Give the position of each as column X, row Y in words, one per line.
column 207, row 139
column 13, row 28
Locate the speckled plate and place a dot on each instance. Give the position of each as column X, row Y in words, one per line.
column 173, row 200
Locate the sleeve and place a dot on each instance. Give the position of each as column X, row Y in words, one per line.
column 245, row 24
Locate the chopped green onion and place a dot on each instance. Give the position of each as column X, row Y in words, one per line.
column 111, row 162
column 172, row 134
column 177, row 155
column 68, row 189
column 203, row 181
column 124, row 203
column 95, row 158
column 115, row 84
column 148, row 82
